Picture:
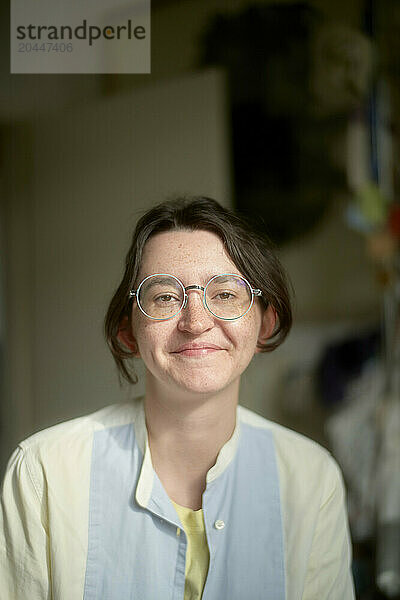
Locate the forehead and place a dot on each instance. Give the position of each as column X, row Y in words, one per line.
column 186, row 253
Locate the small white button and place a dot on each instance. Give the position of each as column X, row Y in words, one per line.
column 219, row 524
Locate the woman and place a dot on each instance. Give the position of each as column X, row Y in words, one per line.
column 183, row 494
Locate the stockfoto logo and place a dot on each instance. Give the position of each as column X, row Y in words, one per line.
column 81, row 32
column 92, row 36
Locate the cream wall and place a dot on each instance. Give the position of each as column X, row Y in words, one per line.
column 75, row 185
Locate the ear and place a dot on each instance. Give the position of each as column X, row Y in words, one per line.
column 125, row 336
column 268, row 323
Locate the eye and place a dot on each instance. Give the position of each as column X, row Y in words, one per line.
column 166, row 298
column 225, row 295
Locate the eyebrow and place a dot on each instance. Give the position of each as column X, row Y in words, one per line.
column 162, row 279
column 227, row 277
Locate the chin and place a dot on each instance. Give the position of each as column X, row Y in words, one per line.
column 201, row 385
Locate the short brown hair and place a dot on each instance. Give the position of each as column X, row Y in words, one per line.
column 252, row 254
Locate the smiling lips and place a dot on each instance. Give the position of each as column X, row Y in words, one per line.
column 198, row 350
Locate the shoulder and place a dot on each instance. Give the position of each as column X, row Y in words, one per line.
column 59, row 457
column 73, row 438
column 303, row 464
column 286, row 440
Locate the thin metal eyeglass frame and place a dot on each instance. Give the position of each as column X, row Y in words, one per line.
column 135, row 293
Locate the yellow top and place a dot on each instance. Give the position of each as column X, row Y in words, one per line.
column 197, row 553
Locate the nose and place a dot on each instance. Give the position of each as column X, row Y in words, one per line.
column 194, row 317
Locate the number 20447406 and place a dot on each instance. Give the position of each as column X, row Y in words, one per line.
column 45, row 47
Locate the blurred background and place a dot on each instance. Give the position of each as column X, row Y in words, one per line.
column 289, row 112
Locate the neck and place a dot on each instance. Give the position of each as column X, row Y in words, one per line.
column 186, row 433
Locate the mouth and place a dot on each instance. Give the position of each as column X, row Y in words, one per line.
column 197, row 350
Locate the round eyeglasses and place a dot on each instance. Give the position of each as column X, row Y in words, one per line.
column 162, row 296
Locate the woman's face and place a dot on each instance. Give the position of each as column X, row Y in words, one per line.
column 194, row 351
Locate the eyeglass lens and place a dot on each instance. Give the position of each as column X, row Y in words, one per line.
column 226, row 296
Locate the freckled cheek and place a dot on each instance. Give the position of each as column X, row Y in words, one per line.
column 150, row 337
column 244, row 332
